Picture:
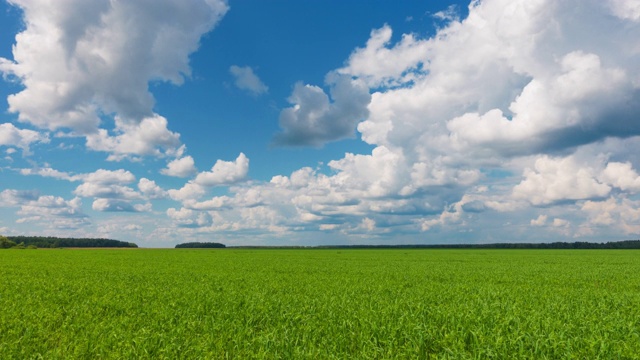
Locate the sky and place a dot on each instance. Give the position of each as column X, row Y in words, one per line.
column 320, row 122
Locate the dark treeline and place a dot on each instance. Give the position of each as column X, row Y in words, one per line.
column 54, row 242
column 200, row 245
column 626, row 244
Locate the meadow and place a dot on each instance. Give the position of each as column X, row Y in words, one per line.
column 319, row 304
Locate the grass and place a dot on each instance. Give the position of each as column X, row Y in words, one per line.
column 320, row 304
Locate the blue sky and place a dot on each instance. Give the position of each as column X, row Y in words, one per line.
column 320, row 122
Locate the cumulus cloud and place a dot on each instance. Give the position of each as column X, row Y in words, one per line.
column 182, row 167
column 622, row 214
column 49, row 172
column 554, row 180
column 53, row 211
column 150, row 136
column 225, row 172
column 150, row 189
column 109, row 184
column 190, row 191
column 621, row 176
column 314, row 119
column 115, row 205
column 80, row 61
column 246, row 79
column 540, row 221
column 551, row 87
column 21, row 138
column 188, row 218
column 378, row 65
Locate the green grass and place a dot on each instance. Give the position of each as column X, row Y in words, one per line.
column 320, row 304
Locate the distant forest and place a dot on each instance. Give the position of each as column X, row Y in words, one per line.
column 200, row 245
column 626, row 244
column 54, row 242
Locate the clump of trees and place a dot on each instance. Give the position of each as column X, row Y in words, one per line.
column 55, row 242
column 5, row 243
column 200, row 245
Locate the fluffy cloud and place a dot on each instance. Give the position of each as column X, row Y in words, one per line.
column 49, row 172
column 22, row 138
column 150, row 189
column 540, row 221
column 109, row 177
column 225, row 172
column 379, row 65
column 54, row 211
column 114, row 205
column 182, row 167
column 190, row 191
column 79, row 61
column 623, row 214
column 554, row 180
column 246, row 79
column 188, row 218
column 314, row 119
column 621, row 176
column 625, row 9
column 150, row 136
column 552, row 87
column 107, row 184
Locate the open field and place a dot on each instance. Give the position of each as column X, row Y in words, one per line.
column 296, row 304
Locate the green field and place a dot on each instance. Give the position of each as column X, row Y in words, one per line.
column 319, row 304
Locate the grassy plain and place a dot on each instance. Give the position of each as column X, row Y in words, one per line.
column 319, row 304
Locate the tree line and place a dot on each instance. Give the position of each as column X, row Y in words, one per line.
column 200, row 245
column 55, row 242
column 626, row 244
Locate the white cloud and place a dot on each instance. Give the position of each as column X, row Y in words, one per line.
column 150, row 189
column 11, row 197
column 115, row 205
column 49, row 172
column 622, row 176
column 106, row 191
column 109, row 177
column 626, row 9
column 623, row 214
column 188, row 218
column 540, row 221
column 379, row 65
column 225, row 172
column 190, row 191
column 557, row 179
column 79, row 61
column 216, row 203
column 314, row 119
column 22, row 138
column 557, row 222
column 150, row 136
column 109, row 184
column 182, row 167
column 246, row 79
column 449, row 14
column 52, row 211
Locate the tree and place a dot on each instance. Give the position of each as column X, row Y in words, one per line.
column 6, row 243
